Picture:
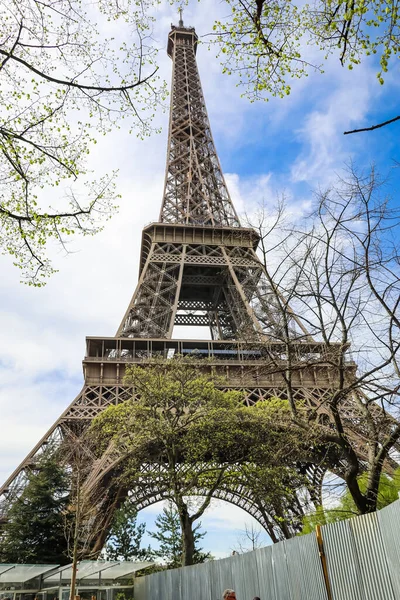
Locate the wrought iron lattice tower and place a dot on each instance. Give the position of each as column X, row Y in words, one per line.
column 188, row 260
column 198, row 267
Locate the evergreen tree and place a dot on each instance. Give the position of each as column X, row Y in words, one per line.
column 126, row 536
column 34, row 532
column 169, row 536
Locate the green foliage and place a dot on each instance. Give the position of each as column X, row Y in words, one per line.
column 183, row 435
column 388, row 492
column 34, row 532
column 178, row 414
column 157, row 433
column 263, row 434
column 63, row 82
column 171, row 399
column 169, row 537
column 266, row 42
column 125, row 536
column 322, row 516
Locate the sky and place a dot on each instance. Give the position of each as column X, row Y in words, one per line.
column 293, row 146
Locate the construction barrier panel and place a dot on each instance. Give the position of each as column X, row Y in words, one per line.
column 356, row 559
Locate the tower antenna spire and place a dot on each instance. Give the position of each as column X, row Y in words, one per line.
column 180, row 17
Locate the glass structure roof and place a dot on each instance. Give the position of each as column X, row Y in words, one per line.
column 90, row 569
column 123, row 569
column 21, row 573
column 87, row 569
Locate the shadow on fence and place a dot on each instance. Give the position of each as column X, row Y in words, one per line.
column 361, row 556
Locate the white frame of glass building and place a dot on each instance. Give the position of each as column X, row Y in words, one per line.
column 96, row 580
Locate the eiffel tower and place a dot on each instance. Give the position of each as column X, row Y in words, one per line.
column 198, row 267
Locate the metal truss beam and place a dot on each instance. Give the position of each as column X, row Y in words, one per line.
column 195, row 191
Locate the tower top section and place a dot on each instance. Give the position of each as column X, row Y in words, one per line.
column 195, row 191
column 181, row 35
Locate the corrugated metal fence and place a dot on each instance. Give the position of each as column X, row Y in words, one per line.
column 362, row 557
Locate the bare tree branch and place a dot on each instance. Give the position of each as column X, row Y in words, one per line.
column 373, row 126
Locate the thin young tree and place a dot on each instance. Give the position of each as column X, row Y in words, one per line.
column 81, row 528
column 251, row 538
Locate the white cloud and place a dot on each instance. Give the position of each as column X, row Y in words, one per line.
column 325, row 148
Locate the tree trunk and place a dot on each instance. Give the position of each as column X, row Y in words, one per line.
column 187, row 536
column 270, row 530
column 352, row 484
column 74, row 567
column 285, row 529
column 373, row 486
column 281, row 522
column 76, row 529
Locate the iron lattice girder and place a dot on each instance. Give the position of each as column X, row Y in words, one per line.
column 148, row 491
column 196, row 305
column 195, row 191
column 175, row 258
column 208, row 320
column 196, row 235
